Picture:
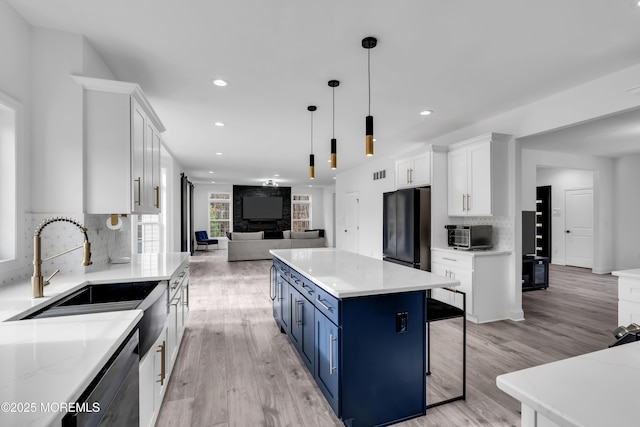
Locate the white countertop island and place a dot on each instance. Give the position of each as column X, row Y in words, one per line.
column 48, row 362
column 592, row 390
column 346, row 274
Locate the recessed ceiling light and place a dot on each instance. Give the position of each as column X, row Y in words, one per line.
column 334, row 177
column 219, row 82
column 310, row 185
column 220, row 124
column 213, row 182
column 210, row 171
column 426, row 112
column 218, row 154
column 276, row 174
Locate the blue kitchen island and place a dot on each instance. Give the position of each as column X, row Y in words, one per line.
column 359, row 325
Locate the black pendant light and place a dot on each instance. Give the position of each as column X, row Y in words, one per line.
column 312, row 172
column 334, row 155
column 369, row 43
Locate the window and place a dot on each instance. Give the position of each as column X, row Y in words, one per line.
column 9, row 133
column 219, row 214
column 301, row 212
column 151, row 234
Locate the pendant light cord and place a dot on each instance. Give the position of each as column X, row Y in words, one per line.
column 333, row 117
column 369, row 76
column 311, row 132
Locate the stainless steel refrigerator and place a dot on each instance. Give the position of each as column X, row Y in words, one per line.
column 406, row 227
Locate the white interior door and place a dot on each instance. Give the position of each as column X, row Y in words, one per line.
column 579, row 227
column 352, row 226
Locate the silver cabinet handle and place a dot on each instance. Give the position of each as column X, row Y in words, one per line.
column 410, row 175
column 468, row 197
column 323, row 304
column 331, row 367
column 298, row 316
column 307, row 288
column 280, row 291
column 463, row 200
column 450, row 259
column 408, row 178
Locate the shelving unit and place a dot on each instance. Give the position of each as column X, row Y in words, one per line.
column 543, row 221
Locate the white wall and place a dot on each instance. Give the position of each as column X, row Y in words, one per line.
column 603, row 196
column 360, row 180
column 626, row 213
column 560, row 180
column 329, row 211
column 201, row 206
column 15, row 39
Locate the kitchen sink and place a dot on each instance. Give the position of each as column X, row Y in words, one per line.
column 150, row 297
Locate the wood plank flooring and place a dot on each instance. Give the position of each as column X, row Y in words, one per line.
column 235, row 368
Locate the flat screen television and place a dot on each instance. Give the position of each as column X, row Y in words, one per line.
column 261, row 208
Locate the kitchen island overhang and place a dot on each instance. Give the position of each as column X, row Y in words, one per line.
column 359, row 325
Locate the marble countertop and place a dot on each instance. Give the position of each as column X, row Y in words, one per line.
column 477, row 252
column 345, row 274
column 46, row 362
column 631, row 274
column 594, row 389
column 15, row 298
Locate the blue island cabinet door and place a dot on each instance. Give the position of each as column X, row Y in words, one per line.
column 281, row 303
column 327, row 372
column 302, row 327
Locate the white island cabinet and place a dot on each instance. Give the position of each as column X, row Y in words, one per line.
column 628, row 296
column 122, row 148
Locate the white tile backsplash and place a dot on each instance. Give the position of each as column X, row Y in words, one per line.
column 61, row 236
column 502, row 230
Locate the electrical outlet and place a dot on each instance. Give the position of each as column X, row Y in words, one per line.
column 402, row 322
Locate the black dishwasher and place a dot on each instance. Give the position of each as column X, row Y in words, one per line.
column 112, row 398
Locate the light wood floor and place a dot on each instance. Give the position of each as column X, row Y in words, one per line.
column 236, row 369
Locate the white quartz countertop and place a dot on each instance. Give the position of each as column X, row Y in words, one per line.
column 345, row 274
column 592, row 390
column 15, row 298
column 631, row 274
column 46, row 362
column 476, row 252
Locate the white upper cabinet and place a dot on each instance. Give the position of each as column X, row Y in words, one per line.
column 477, row 177
column 122, row 148
column 414, row 171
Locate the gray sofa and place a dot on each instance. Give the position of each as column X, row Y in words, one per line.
column 253, row 245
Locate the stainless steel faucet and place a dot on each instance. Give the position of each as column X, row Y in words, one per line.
column 37, row 281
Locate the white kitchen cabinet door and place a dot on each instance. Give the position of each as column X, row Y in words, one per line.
column 122, row 148
column 414, row 171
column 479, row 179
column 457, row 185
column 146, row 390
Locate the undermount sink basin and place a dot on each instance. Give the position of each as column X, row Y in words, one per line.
column 98, row 298
column 150, row 297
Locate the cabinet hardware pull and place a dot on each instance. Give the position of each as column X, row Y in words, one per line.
column 411, row 175
column 408, row 179
column 177, row 301
column 331, row 367
column 468, row 197
column 307, row 288
column 157, row 197
column 463, row 200
column 162, row 350
column 272, row 285
column 295, row 311
column 450, row 259
column 298, row 316
column 280, row 291
column 323, row 304
column 186, row 288
column 139, row 191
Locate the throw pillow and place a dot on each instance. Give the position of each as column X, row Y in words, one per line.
column 273, row 235
column 286, row 234
column 257, row 235
column 305, row 234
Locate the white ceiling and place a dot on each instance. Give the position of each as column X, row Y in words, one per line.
column 465, row 59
